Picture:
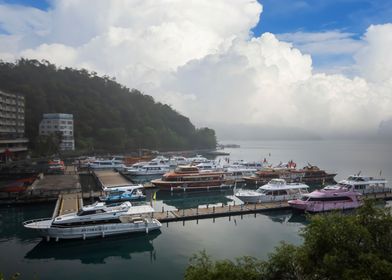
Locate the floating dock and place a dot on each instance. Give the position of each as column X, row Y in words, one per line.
column 73, row 202
column 110, row 179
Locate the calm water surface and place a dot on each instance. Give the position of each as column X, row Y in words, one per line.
column 165, row 254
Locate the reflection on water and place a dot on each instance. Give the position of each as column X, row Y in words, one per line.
column 11, row 219
column 193, row 199
column 286, row 217
column 95, row 251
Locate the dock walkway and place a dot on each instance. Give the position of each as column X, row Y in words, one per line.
column 110, row 179
column 73, row 202
column 68, row 203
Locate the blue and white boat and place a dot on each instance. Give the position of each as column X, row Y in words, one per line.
column 125, row 193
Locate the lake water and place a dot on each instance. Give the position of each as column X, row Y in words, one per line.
column 165, row 254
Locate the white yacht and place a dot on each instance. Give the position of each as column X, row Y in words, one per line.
column 107, row 164
column 275, row 190
column 207, row 166
column 178, row 160
column 136, row 219
column 238, row 173
column 197, row 159
column 161, row 160
column 134, row 167
column 241, row 164
column 151, row 168
column 362, row 184
column 96, row 212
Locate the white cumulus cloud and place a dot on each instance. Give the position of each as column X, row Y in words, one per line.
column 200, row 57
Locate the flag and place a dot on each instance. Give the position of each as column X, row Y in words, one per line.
column 154, row 196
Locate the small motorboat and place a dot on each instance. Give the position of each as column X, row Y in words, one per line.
column 126, row 193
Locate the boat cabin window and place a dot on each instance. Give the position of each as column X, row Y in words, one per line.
column 330, row 199
column 293, row 191
column 89, row 212
column 274, row 193
column 360, row 187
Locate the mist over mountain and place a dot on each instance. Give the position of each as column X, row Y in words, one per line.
column 385, row 129
column 262, row 132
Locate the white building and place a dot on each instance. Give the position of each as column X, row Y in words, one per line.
column 12, row 126
column 63, row 123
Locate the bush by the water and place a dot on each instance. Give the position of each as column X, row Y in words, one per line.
column 336, row 246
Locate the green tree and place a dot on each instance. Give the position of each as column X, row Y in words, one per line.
column 336, row 246
column 48, row 145
column 101, row 107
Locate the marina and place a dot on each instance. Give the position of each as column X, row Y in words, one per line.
column 191, row 221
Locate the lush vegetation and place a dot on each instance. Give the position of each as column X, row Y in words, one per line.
column 336, row 246
column 107, row 115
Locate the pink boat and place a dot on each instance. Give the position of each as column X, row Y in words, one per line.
column 327, row 200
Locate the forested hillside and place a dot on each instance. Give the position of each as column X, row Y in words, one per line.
column 107, row 115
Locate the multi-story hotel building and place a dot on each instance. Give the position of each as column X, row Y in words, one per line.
column 63, row 123
column 12, row 126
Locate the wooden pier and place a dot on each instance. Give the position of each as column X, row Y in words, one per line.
column 110, row 179
column 68, row 203
column 218, row 211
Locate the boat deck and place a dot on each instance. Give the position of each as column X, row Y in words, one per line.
column 110, row 179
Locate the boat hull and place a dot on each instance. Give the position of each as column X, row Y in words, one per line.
column 186, row 185
column 318, row 207
column 94, row 231
column 266, row 198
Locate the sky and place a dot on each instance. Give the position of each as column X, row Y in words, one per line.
column 322, row 66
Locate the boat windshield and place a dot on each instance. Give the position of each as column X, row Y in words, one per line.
column 304, row 198
column 355, row 178
column 89, row 212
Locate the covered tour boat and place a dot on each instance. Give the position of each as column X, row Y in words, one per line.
column 190, row 177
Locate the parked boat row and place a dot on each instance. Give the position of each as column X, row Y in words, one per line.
column 101, row 219
column 344, row 195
